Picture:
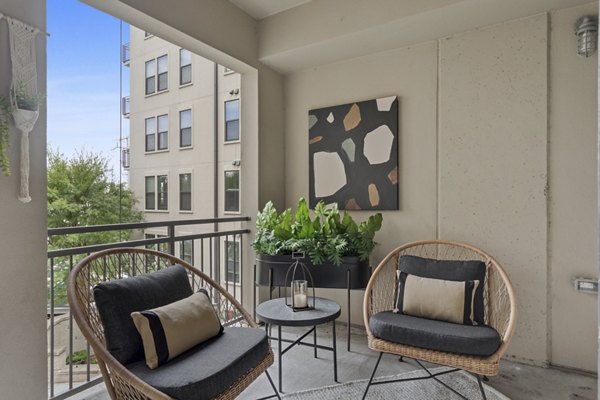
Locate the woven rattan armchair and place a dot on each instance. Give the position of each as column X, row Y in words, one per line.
column 499, row 304
column 120, row 263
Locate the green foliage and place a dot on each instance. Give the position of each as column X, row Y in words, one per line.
column 80, row 358
column 328, row 237
column 82, row 193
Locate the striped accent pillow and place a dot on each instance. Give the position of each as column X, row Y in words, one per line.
column 170, row 330
column 439, row 299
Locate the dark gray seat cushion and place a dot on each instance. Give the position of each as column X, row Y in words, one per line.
column 450, row 270
column 209, row 368
column 476, row 340
column 117, row 299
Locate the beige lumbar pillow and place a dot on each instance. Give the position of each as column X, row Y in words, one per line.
column 172, row 329
column 438, row 299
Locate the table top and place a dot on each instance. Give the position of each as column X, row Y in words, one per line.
column 276, row 312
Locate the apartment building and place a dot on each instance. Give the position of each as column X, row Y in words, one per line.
column 184, row 156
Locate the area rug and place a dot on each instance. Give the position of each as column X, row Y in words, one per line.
column 426, row 389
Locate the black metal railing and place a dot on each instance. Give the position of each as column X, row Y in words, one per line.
column 204, row 243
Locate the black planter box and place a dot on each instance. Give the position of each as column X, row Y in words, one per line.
column 328, row 276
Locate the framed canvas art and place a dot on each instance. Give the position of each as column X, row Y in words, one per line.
column 353, row 155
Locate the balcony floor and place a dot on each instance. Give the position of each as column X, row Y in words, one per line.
column 301, row 371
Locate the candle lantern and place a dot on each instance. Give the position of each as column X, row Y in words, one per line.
column 301, row 282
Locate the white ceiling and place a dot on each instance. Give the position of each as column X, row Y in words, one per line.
column 259, row 9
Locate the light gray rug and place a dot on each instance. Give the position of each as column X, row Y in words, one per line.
column 426, row 389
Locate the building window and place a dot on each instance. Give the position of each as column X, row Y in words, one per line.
column 186, row 250
column 232, row 190
column 154, row 67
column 150, row 134
column 150, row 76
column 164, row 247
column 150, row 193
column 185, row 67
column 163, row 73
column 157, row 199
column 163, row 192
column 185, row 192
column 232, row 120
column 185, row 128
column 233, row 261
column 163, row 132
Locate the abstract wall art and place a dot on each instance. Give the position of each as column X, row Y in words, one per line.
column 353, row 155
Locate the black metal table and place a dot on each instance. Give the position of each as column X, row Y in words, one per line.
column 275, row 312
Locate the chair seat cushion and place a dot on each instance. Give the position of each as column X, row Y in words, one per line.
column 430, row 334
column 209, row 368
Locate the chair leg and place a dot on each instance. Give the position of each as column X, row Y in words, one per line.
column 273, row 385
column 372, row 376
column 481, row 387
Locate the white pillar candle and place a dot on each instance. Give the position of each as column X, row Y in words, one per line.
column 300, row 300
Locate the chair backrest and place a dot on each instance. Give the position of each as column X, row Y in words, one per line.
column 499, row 296
column 126, row 262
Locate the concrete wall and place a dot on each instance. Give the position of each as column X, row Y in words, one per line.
column 573, row 105
column 23, row 362
column 474, row 160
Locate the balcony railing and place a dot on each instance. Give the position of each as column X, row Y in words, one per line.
column 125, row 101
column 125, row 56
column 216, row 252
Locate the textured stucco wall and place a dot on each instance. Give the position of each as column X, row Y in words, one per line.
column 23, row 362
column 492, row 158
column 573, row 105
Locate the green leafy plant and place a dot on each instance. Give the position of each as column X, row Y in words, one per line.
column 329, row 236
column 80, row 358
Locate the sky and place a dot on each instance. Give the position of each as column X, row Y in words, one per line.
column 83, row 80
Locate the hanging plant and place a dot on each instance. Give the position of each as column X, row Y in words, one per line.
column 25, row 104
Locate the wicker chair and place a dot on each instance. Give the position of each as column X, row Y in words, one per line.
column 499, row 304
column 125, row 262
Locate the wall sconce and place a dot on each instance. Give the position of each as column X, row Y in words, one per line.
column 236, row 163
column 586, row 29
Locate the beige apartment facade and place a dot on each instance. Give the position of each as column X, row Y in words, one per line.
column 184, row 145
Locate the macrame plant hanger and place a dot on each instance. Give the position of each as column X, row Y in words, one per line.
column 23, row 91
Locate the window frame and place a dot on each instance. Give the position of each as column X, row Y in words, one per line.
column 160, row 133
column 226, row 191
column 181, row 146
column 182, row 251
column 157, row 206
column 226, row 121
column 235, row 272
column 156, row 75
column 191, row 192
column 182, row 66
column 146, row 135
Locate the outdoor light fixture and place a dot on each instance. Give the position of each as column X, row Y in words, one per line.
column 300, row 299
column 586, row 29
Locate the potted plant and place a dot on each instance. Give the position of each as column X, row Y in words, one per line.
column 336, row 248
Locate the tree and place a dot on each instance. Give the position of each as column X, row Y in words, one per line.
column 81, row 192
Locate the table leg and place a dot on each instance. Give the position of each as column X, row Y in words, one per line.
column 267, row 332
column 280, row 357
column 315, row 339
column 335, row 376
column 348, row 287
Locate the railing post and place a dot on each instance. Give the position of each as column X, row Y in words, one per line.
column 171, row 234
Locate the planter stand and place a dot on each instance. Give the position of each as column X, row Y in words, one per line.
column 271, row 286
